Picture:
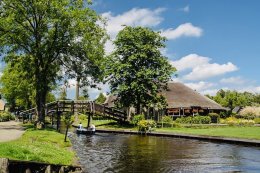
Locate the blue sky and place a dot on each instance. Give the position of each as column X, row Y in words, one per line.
column 213, row 44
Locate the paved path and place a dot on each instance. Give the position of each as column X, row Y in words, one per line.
column 10, row 130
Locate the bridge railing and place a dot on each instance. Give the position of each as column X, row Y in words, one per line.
column 80, row 106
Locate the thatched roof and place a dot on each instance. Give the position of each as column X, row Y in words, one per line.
column 110, row 101
column 179, row 95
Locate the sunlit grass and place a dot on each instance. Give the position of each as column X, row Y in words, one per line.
column 39, row 145
column 228, row 131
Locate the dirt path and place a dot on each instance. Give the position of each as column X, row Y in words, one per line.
column 10, row 130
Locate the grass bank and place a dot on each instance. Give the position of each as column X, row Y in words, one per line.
column 249, row 132
column 242, row 132
column 39, row 145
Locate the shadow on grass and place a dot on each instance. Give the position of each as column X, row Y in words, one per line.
column 31, row 127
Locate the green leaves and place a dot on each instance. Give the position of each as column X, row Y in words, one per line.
column 51, row 36
column 137, row 70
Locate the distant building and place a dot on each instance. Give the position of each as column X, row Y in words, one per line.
column 2, row 105
column 182, row 101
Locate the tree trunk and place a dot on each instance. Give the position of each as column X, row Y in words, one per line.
column 77, row 88
column 138, row 105
column 41, row 93
column 66, row 133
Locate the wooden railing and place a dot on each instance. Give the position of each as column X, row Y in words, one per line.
column 80, row 107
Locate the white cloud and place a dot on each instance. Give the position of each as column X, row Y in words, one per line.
column 200, row 86
column 185, row 9
column 233, row 80
column 210, row 70
column 147, row 18
column 211, row 92
column 201, row 68
column 186, row 29
column 134, row 17
column 190, row 61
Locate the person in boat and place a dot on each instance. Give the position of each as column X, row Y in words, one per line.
column 80, row 127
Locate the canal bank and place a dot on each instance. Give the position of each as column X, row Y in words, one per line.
column 37, row 150
column 247, row 142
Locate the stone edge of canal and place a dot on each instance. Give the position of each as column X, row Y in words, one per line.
column 245, row 142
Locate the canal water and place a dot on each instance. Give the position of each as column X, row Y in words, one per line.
column 132, row 153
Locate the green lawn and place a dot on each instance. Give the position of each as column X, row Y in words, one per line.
column 39, row 145
column 229, row 131
column 245, row 132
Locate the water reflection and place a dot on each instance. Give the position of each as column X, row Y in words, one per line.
column 132, row 153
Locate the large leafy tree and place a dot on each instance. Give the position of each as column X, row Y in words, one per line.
column 137, row 71
column 49, row 36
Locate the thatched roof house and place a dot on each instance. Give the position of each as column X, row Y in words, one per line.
column 182, row 100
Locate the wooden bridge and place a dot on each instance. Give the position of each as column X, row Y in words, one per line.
column 78, row 106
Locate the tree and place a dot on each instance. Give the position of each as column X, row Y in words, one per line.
column 16, row 87
column 137, row 71
column 232, row 99
column 48, row 36
column 101, row 98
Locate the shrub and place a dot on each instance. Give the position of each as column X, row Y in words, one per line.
column 137, row 118
column 224, row 114
column 6, row 116
column 250, row 112
column 214, row 117
column 145, row 125
column 194, row 120
column 167, row 119
column 257, row 120
column 232, row 121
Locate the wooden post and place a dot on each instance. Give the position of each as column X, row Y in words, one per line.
column 89, row 119
column 28, row 170
column 48, row 169
column 4, row 165
column 61, row 169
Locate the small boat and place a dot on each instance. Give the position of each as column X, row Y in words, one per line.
column 85, row 131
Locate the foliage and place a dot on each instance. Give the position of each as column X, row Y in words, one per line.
column 39, row 145
column 224, row 114
column 214, row 117
column 232, row 121
column 145, row 125
column 68, row 119
column 194, row 120
column 167, row 119
column 16, row 87
column 101, row 98
column 48, row 38
column 250, row 112
column 137, row 70
column 137, row 118
column 63, row 94
column 257, row 120
column 232, row 99
column 6, row 116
